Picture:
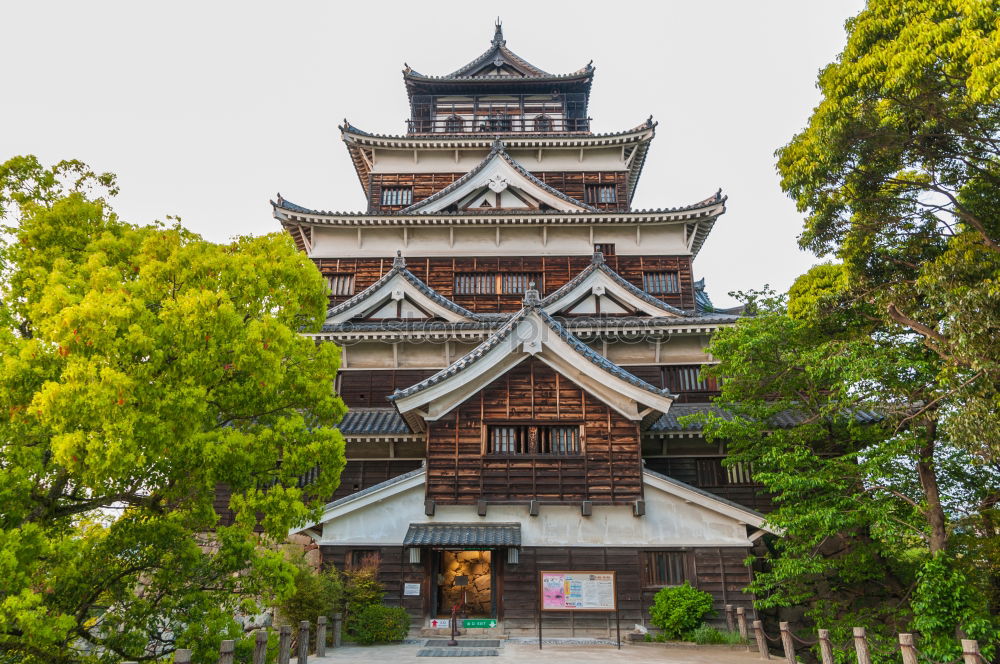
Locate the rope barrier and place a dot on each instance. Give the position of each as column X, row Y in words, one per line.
column 805, row 642
column 921, row 656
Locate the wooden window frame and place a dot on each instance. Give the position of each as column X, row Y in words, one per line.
column 604, row 193
column 500, row 282
column 396, row 196
column 352, row 557
column 606, row 248
column 659, row 282
column 334, row 277
column 489, row 425
column 653, row 580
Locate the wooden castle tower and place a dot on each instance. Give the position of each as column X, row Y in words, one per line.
column 518, row 344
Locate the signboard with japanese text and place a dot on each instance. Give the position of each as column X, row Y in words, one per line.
column 577, row 591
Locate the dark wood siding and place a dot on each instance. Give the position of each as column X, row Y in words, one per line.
column 439, row 274
column 394, row 571
column 426, row 184
column 362, row 474
column 705, row 473
column 608, row 472
column 364, row 388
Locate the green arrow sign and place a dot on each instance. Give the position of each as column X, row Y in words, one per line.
column 478, row 622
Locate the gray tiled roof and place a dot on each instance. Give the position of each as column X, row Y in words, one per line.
column 668, row 422
column 399, row 267
column 463, row 534
column 347, row 127
column 598, row 263
column 501, row 334
column 626, row 324
column 373, row 421
column 375, row 487
column 497, row 150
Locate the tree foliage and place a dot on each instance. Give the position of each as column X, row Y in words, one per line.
column 140, row 367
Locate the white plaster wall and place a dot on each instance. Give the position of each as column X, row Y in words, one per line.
column 443, row 161
column 482, row 241
column 668, row 522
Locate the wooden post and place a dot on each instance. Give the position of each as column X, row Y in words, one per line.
column 182, row 656
column 284, row 644
column 741, row 620
column 260, row 647
column 338, row 622
column 729, row 618
column 861, row 646
column 226, row 651
column 970, row 652
column 758, row 632
column 825, row 647
column 786, row 642
column 907, row 649
column 304, row 642
column 321, row 636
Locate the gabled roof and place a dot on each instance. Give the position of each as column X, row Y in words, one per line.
column 497, row 171
column 530, row 333
column 399, row 284
column 499, row 58
column 707, row 500
column 599, row 281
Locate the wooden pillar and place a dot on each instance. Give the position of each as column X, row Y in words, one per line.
column 260, row 647
column 338, row 622
column 741, row 621
column 226, row 651
column 321, row 636
column 303, row 657
column 729, row 618
column 786, row 642
column 907, row 649
column 970, row 652
column 284, row 644
column 825, row 647
column 758, row 632
column 861, row 646
column 182, row 656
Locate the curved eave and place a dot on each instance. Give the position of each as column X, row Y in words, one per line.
column 484, row 141
column 418, row 83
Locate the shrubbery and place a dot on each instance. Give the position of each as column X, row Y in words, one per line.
column 377, row 624
column 678, row 610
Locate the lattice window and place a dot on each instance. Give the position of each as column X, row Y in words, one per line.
column 518, row 282
column 607, row 248
column 341, row 284
column 601, row 193
column 476, row 283
column 663, row 568
column 516, row 439
column 687, row 379
column 397, row 195
column 660, row 282
column 740, row 474
column 712, row 473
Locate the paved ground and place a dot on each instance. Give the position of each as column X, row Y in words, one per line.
column 528, row 653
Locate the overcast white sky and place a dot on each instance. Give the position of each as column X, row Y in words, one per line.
column 207, row 109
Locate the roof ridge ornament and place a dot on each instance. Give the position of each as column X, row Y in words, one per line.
column 498, row 39
column 399, row 262
column 598, row 258
column 531, row 297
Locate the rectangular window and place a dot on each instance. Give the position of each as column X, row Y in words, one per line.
column 608, row 249
column 506, row 439
column 397, row 196
column 362, row 559
column 712, row 473
column 663, row 568
column 660, row 282
column 688, row 379
column 341, row 284
column 493, row 283
column 601, row 193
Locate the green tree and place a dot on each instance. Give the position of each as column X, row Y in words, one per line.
column 140, row 368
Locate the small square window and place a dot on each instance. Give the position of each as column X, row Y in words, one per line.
column 397, row 196
column 660, row 282
column 663, row 568
column 340, row 284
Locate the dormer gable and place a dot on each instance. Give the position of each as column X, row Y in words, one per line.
column 399, row 295
column 498, row 183
column 600, row 291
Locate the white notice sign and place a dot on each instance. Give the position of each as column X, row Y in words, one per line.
column 440, row 622
column 411, row 589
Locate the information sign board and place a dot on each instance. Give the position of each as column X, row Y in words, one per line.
column 578, row 591
column 411, row 589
